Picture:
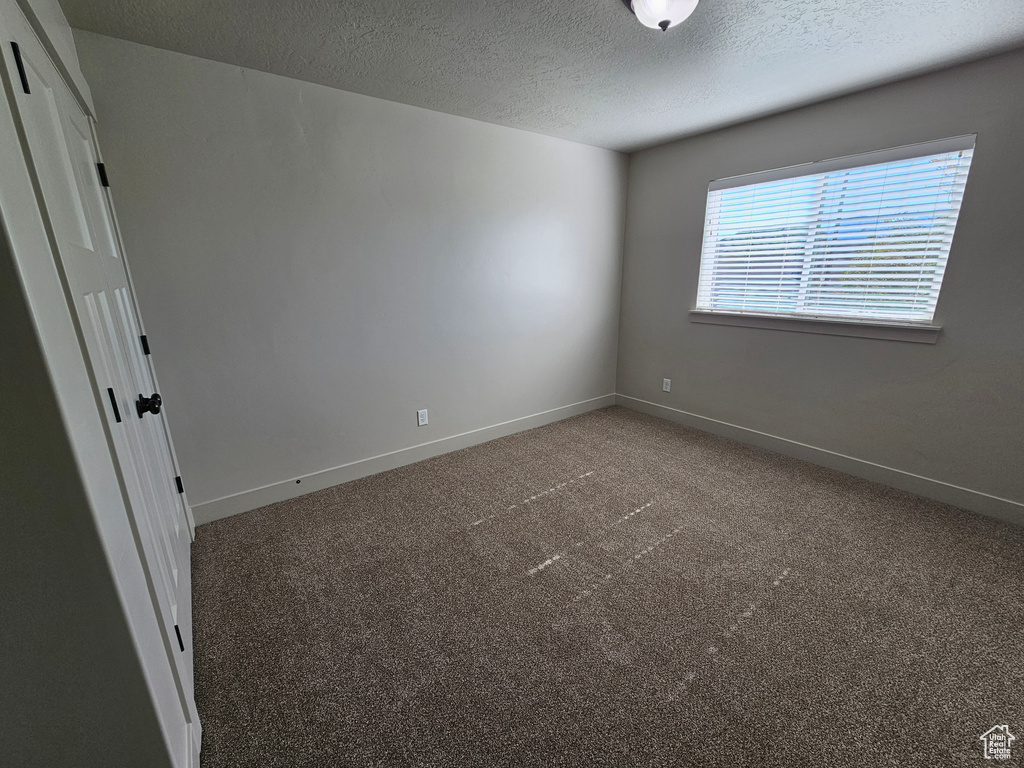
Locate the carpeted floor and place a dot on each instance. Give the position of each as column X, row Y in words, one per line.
column 610, row 590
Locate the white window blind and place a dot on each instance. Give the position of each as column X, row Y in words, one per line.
column 863, row 238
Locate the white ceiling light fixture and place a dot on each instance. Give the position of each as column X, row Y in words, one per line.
column 661, row 14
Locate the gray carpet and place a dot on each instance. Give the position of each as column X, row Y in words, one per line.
column 610, row 590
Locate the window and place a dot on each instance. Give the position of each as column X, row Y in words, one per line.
column 861, row 239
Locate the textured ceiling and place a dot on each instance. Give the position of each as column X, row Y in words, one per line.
column 578, row 69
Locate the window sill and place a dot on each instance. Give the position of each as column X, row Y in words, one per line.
column 920, row 334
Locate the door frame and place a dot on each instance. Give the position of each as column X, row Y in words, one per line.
column 30, row 240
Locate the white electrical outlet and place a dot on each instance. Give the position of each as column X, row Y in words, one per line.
column 421, row 418
column 666, row 385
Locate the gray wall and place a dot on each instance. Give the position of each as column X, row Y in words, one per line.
column 953, row 412
column 314, row 265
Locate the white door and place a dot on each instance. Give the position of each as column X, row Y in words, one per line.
column 62, row 155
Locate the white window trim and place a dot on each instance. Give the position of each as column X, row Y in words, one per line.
column 886, row 330
column 921, row 334
column 891, row 155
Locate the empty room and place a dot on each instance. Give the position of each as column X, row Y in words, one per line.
column 580, row 383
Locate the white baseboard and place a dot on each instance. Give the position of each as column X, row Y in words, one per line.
column 976, row 501
column 288, row 489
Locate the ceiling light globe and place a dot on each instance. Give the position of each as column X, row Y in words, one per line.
column 655, row 13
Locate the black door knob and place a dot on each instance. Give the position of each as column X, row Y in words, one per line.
column 148, row 404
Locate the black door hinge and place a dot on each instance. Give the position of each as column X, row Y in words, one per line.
column 113, row 403
column 21, row 67
column 103, row 174
column 177, row 482
column 178, row 633
column 145, row 344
